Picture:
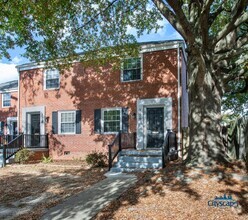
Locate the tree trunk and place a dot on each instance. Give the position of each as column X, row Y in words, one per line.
column 205, row 145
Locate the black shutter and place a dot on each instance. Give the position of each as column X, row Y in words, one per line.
column 78, row 122
column 97, row 121
column 55, row 122
column 125, row 120
column 2, row 127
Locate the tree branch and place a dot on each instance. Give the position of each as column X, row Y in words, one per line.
column 237, row 19
column 170, row 16
column 229, row 55
column 182, row 20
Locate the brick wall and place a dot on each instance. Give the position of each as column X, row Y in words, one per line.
column 9, row 111
column 86, row 89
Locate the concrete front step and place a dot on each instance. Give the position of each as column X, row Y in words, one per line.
column 135, row 160
column 138, row 165
column 137, row 153
column 140, row 159
column 128, row 170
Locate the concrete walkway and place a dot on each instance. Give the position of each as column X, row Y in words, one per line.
column 88, row 203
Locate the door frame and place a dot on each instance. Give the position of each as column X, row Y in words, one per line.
column 28, row 110
column 142, row 105
column 145, row 123
column 10, row 121
column 28, row 121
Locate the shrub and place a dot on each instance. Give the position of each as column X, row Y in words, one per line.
column 97, row 159
column 23, row 155
column 46, row 159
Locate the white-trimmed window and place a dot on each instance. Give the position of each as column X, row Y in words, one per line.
column 131, row 69
column 67, row 122
column 52, row 79
column 111, row 120
column 6, row 100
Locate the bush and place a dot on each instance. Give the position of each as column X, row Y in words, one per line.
column 23, row 155
column 97, row 159
column 46, row 159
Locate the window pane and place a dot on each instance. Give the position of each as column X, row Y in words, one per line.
column 6, row 99
column 111, row 121
column 131, row 69
column 67, row 117
column 52, row 79
column 67, row 127
column 52, row 83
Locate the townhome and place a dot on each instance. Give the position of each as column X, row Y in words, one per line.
column 81, row 109
column 8, row 108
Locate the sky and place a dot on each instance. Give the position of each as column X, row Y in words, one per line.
column 8, row 71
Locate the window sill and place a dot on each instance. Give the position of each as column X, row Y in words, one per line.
column 130, row 81
column 51, row 89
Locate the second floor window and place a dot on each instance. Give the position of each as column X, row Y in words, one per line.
column 131, row 69
column 51, row 79
column 6, row 97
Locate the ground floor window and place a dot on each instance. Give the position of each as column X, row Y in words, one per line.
column 111, row 120
column 67, row 122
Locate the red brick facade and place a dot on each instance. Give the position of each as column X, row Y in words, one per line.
column 86, row 89
column 7, row 112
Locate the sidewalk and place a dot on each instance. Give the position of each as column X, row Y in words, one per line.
column 88, row 203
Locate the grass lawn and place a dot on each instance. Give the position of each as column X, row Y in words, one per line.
column 27, row 190
column 180, row 193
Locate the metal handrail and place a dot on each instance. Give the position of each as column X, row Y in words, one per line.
column 110, row 146
column 169, row 148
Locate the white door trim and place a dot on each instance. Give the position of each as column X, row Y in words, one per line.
column 142, row 105
column 10, row 120
column 26, row 111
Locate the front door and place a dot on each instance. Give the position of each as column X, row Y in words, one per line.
column 35, row 129
column 155, row 127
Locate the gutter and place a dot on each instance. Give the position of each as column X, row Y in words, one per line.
column 18, row 108
column 178, row 102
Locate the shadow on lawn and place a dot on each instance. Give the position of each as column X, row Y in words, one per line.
column 176, row 178
column 42, row 188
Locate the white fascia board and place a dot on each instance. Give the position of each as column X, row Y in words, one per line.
column 9, row 90
column 162, row 46
column 143, row 48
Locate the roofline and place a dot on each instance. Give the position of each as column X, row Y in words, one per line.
column 149, row 46
column 12, row 89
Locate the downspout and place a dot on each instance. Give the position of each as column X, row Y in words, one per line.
column 178, row 102
column 18, row 108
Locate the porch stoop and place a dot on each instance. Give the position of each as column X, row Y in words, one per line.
column 135, row 160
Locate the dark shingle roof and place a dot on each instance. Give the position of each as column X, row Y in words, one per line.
column 7, row 86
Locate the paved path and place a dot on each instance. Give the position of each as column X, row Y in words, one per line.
column 88, row 203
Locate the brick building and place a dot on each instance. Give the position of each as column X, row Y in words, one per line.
column 81, row 109
column 8, row 107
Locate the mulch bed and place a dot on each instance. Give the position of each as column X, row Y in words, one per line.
column 177, row 192
column 59, row 179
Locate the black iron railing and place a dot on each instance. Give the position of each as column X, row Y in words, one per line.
column 13, row 146
column 169, row 149
column 35, row 141
column 121, row 141
column 114, row 148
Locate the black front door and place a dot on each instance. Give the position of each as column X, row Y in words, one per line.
column 155, row 127
column 35, row 129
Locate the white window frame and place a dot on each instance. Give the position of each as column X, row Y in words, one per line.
column 102, row 119
column 59, row 122
column 3, row 100
column 45, row 82
column 141, row 69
